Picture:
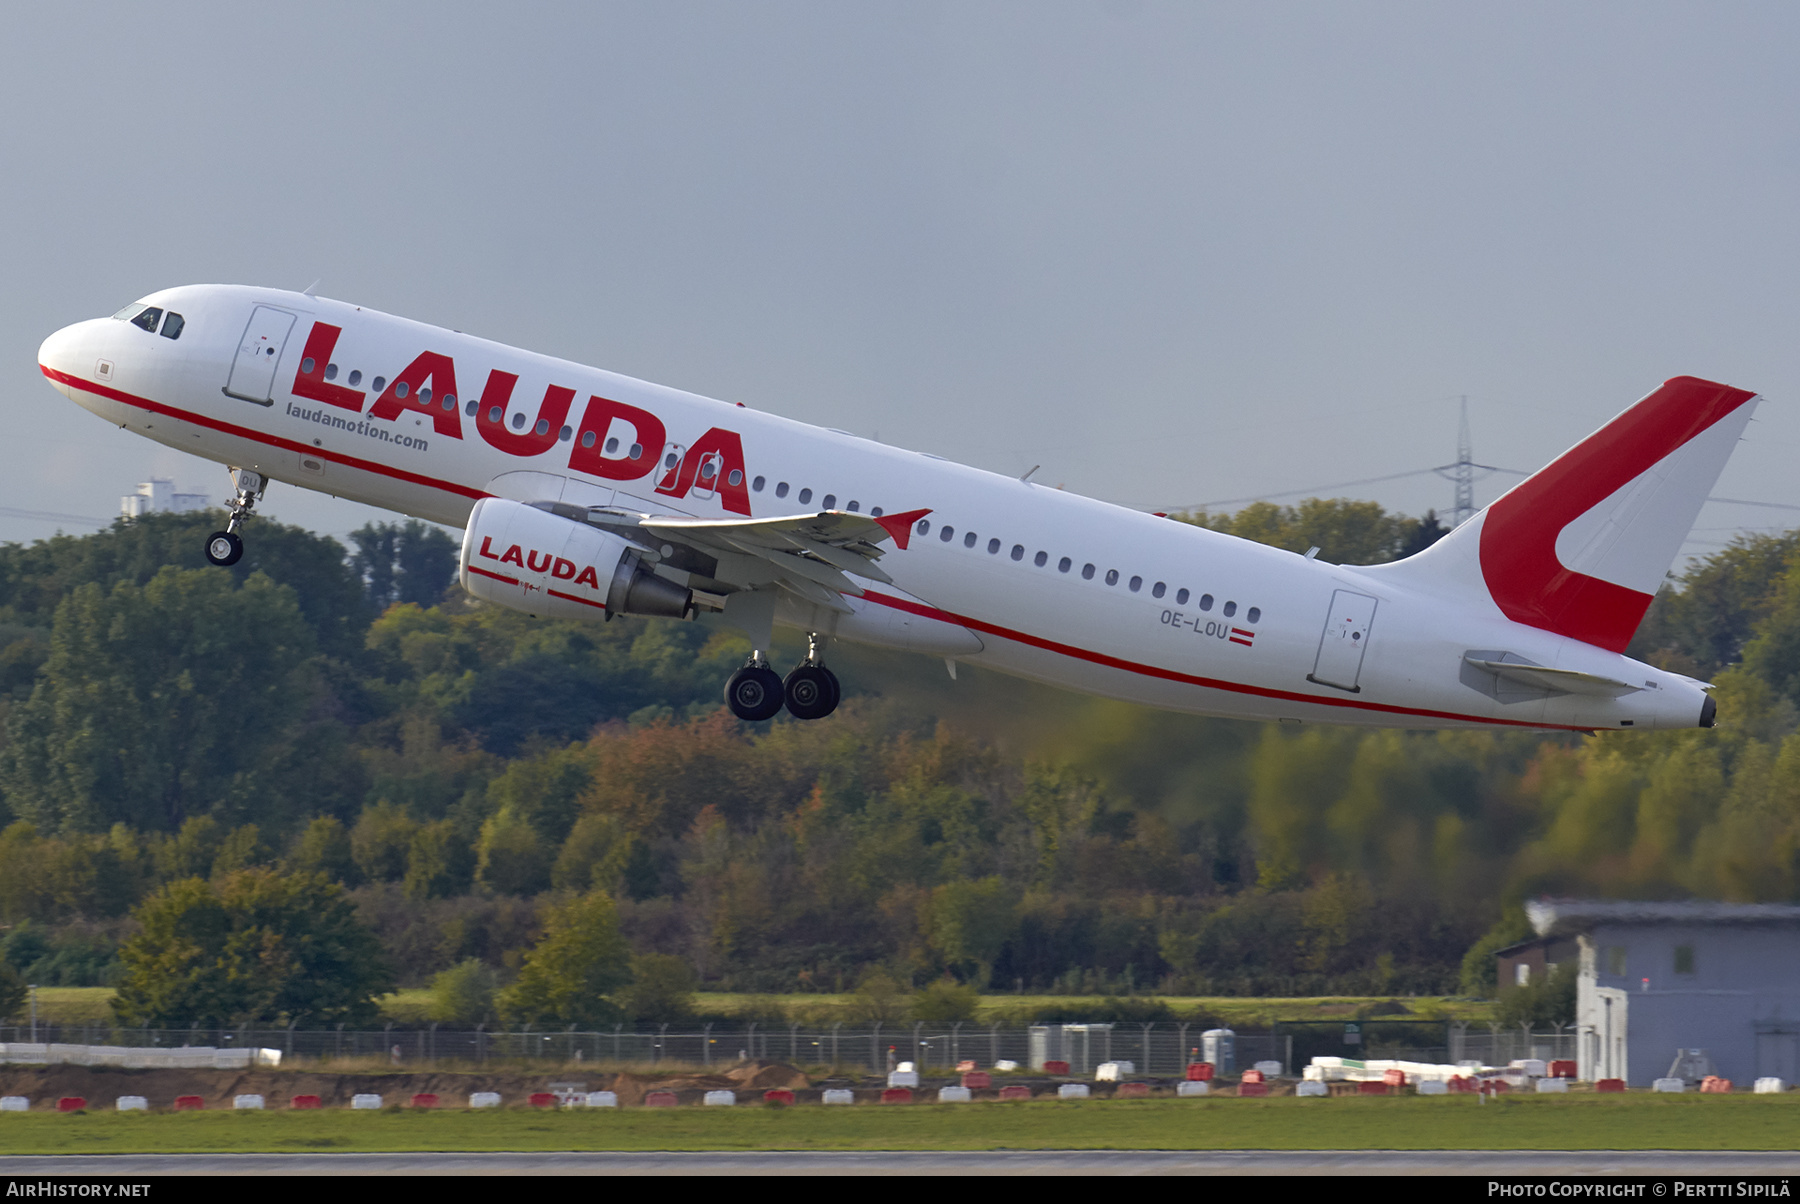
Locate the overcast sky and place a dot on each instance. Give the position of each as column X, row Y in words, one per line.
column 1173, row 252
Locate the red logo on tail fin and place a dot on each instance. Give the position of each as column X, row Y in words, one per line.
column 1518, row 535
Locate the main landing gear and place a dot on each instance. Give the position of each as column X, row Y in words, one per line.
column 226, row 548
column 811, row 691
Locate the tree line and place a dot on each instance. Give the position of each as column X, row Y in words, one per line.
column 454, row 778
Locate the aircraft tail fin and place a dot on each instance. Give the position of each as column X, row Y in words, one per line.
column 1581, row 546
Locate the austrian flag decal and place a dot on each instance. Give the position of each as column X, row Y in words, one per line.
column 1240, row 636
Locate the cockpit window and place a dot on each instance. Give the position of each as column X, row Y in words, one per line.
column 131, row 311
column 171, row 327
column 148, row 319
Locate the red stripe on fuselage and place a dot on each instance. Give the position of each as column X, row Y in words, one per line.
column 556, row 593
column 1210, row 683
column 242, row 432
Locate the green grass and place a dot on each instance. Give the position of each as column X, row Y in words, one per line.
column 1632, row 1122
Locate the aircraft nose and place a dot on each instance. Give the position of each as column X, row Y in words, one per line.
column 62, row 355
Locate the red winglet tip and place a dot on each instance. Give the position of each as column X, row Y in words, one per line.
column 900, row 526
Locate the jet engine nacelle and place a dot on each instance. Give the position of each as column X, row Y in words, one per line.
column 557, row 568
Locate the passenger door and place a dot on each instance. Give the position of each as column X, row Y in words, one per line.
column 258, row 354
column 1344, row 641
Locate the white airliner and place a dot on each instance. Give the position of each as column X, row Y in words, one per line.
column 585, row 494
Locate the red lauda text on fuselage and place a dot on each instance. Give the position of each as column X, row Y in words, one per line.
column 714, row 461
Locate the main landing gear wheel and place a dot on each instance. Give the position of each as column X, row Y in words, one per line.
column 754, row 693
column 224, row 548
column 812, row 692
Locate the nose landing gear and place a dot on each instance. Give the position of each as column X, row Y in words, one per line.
column 811, row 691
column 226, row 548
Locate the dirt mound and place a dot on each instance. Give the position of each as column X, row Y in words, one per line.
column 102, row 1085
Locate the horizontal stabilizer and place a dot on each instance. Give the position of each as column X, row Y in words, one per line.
column 1557, row 681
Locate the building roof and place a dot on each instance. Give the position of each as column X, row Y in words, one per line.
column 1566, row 916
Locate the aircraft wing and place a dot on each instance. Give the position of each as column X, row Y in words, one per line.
column 806, row 554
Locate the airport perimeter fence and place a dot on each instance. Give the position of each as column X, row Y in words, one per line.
column 1162, row 1049
column 1154, row 1049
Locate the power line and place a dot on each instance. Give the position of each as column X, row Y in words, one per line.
column 51, row 516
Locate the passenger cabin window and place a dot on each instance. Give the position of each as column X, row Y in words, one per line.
column 355, row 377
column 1158, row 590
column 1041, row 559
column 946, row 533
column 805, row 496
column 171, row 327
column 1206, row 601
column 829, row 502
column 330, row 371
column 1254, row 614
column 853, row 507
column 1230, row 609
column 781, row 489
column 1063, row 565
column 968, row 539
column 994, row 548
column 1112, row 576
column 148, row 319
column 1087, row 572
column 756, row 485
column 1181, row 597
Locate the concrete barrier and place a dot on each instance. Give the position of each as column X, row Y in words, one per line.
column 306, row 1102
column 719, row 1099
column 1108, row 1072
column 1270, row 1069
column 1248, row 1090
column 1553, row 1086
column 661, row 1099
column 954, row 1095
column 484, row 1099
column 1132, row 1091
column 1199, row 1072
column 603, row 1099
column 424, row 1099
column 977, row 1080
column 1712, row 1084
column 14, row 1103
column 779, row 1095
column 1563, row 1068
column 132, row 1103
column 71, row 1103
column 543, row 1099
column 367, row 1102
column 1072, row 1091
column 1006, row 1064
column 189, row 1103
column 897, row 1095
column 1015, row 1091
column 1312, row 1087
column 1769, row 1086
column 837, row 1095
column 1056, row 1066
column 1671, row 1086
column 1610, row 1085
column 247, row 1103
column 1534, row 1068
column 903, row 1078
column 1189, row 1088
column 1371, row 1087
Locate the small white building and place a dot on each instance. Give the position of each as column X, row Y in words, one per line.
column 158, row 496
column 1658, row 979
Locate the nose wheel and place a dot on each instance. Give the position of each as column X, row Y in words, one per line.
column 226, row 548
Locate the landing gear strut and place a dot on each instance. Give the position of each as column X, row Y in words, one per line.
column 754, row 692
column 226, row 548
column 812, row 689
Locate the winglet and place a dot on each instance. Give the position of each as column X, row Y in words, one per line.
column 900, row 526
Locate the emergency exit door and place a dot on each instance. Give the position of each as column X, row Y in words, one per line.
column 258, row 354
column 1344, row 642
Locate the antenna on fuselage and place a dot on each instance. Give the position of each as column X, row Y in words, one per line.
column 308, row 290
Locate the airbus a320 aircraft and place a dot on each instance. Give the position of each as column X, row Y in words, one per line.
column 584, row 494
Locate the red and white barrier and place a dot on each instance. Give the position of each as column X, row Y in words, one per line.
column 838, row 1096
column 897, row 1095
column 194, row 1103
column 719, row 1099
column 247, row 1103
column 779, row 1095
column 14, row 1103
column 424, row 1099
column 954, row 1095
column 71, row 1103
column 661, row 1099
column 366, row 1102
column 484, row 1099
column 1015, row 1091
column 305, row 1102
column 131, row 1103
